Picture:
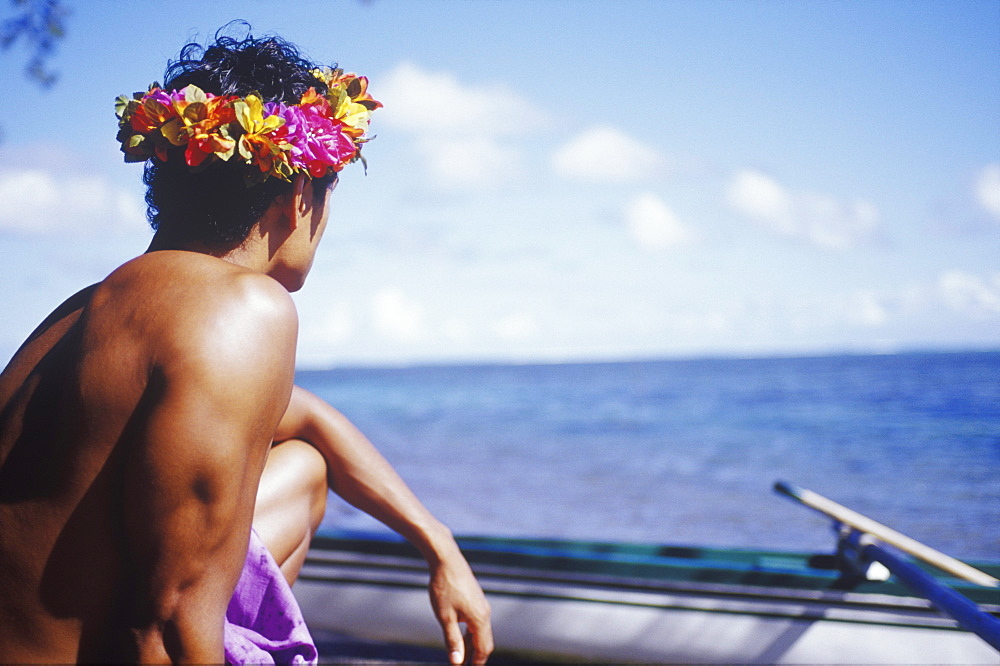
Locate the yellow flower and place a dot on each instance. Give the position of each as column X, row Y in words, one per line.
column 250, row 114
column 349, row 99
column 254, row 145
column 354, row 116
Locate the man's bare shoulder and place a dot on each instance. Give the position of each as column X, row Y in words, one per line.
column 180, row 302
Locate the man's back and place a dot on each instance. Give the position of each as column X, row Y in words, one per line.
column 75, row 406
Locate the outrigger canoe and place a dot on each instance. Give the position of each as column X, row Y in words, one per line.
column 580, row 601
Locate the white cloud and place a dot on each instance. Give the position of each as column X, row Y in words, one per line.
column 760, row 197
column 834, row 224
column 517, row 326
column 970, row 294
column 459, row 163
column 697, row 324
column 818, row 219
column 653, row 224
column 602, row 154
column 456, row 330
column 868, row 309
column 470, row 110
column 988, row 189
column 332, row 327
column 469, row 140
column 322, row 332
column 39, row 201
column 396, row 316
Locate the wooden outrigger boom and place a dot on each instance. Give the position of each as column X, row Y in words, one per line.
column 866, row 525
column 862, row 534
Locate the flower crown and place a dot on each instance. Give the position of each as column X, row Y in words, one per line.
column 319, row 133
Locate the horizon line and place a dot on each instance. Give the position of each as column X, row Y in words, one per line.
column 398, row 364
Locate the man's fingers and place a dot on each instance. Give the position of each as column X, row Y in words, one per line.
column 453, row 640
column 481, row 636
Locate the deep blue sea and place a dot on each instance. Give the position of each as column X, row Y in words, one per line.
column 686, row 451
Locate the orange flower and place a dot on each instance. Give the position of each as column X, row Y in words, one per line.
column 357, row 90
column 201, row 125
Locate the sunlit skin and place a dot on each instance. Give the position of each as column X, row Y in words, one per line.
column 149, row 422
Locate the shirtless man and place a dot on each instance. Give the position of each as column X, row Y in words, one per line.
column 151, row 419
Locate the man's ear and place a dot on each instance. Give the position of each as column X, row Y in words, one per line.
column 300, row 201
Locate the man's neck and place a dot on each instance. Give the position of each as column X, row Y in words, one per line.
column 242, row 254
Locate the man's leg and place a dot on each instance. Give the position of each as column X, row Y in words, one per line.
column 290, row 504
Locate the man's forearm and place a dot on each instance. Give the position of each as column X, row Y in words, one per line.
column 359, row 474
column 363, row 477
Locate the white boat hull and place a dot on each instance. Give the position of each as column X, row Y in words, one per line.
column 384, row 599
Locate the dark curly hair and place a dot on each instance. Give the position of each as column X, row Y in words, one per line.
column 215, row 206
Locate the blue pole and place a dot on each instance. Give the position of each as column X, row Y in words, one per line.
column 958, row 606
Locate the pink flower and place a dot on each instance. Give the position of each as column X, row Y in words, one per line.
column 315, row 142
column 326, row 143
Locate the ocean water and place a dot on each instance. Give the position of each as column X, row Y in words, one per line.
column 686, row 451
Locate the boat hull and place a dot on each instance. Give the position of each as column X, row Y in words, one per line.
column 543, row 611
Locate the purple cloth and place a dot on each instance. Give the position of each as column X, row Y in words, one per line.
column 263, row 622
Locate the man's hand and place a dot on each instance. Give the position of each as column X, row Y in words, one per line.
column 457, row 597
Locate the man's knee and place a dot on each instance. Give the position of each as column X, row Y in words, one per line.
column 318, row 483
column 304, row 468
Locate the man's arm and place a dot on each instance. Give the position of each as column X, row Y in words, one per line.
column 358, row 473
column 217, row 390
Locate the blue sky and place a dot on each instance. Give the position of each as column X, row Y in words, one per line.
column 574, row 180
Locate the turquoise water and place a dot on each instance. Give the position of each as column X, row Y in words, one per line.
column 686, row 451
